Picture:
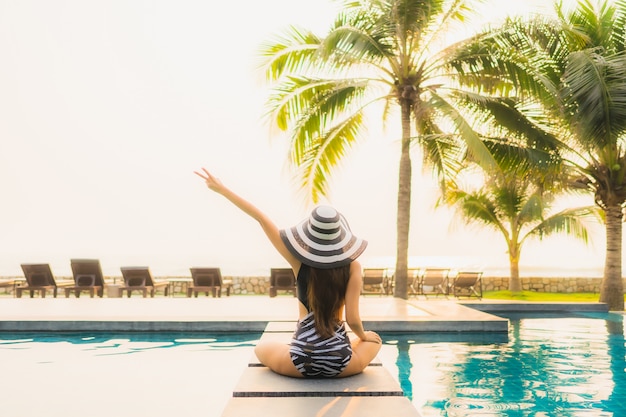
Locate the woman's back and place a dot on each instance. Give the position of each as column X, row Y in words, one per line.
column 323, row 251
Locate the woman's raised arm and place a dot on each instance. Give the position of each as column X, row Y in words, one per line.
column 268, row 226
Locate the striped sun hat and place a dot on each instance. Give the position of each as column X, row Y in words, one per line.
column 324, row 240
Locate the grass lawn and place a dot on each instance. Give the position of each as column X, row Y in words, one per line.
column 542, row 296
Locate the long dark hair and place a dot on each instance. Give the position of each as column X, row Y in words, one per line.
column 326, row 296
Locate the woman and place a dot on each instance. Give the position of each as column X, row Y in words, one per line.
column 322, row 252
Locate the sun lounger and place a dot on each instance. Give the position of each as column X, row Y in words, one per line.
column 468, row 284
column 414, row 277
column 207, row 280
column 282, row 279
column 87, row 277
column 433, row 281
column 374, row 281
column 39, row 277
column 138, row 278
column 8, row 285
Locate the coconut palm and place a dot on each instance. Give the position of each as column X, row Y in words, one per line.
column 516, row 202
column 377, row 52
column 574, row 65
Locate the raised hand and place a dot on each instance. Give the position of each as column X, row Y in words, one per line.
column 211, row 181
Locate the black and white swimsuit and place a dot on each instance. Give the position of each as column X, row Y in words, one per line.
column 312, row 354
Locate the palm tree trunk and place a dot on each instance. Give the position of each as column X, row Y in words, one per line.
column 404, row 206
column 612, row 288
column 515, row 283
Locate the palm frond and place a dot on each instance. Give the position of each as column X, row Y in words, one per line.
column 508, row 198
column 298, row 101
column 413, row 16
column 324, row 153
column 507, row 116
column 523, row 161
column 294, row 51
column 594, row 95
column 477, row 207
column 442, row 152
column 511, row 58
column 356, row 40
column 532, row 209
column 330, row 102
column 455, row 12
column 476, row 148
column 619, row 26
column 569, row 221
column 591, row 24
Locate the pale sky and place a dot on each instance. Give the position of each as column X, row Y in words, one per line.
column 107, row 108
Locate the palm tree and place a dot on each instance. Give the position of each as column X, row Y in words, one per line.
column 574, row 65
column 516, row 201
column 376, row 52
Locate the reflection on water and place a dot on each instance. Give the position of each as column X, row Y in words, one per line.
column 98, row 344
column 570, row 365
column 404, row 368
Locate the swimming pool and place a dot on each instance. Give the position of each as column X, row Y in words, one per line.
column 562, row 366
column 105, row 375
column 565, row 365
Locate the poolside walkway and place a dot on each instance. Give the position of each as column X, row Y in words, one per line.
column 251, row 313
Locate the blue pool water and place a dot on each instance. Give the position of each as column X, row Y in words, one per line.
column 105, row 375
column 570, row 366
column 561, row 366
column 102, row 343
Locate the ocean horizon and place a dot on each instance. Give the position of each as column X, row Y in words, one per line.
column 180, row 267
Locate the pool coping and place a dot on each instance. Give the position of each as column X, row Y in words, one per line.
column 253, row 313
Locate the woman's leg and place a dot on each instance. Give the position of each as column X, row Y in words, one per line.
column 276, row 356
column 362, row 354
